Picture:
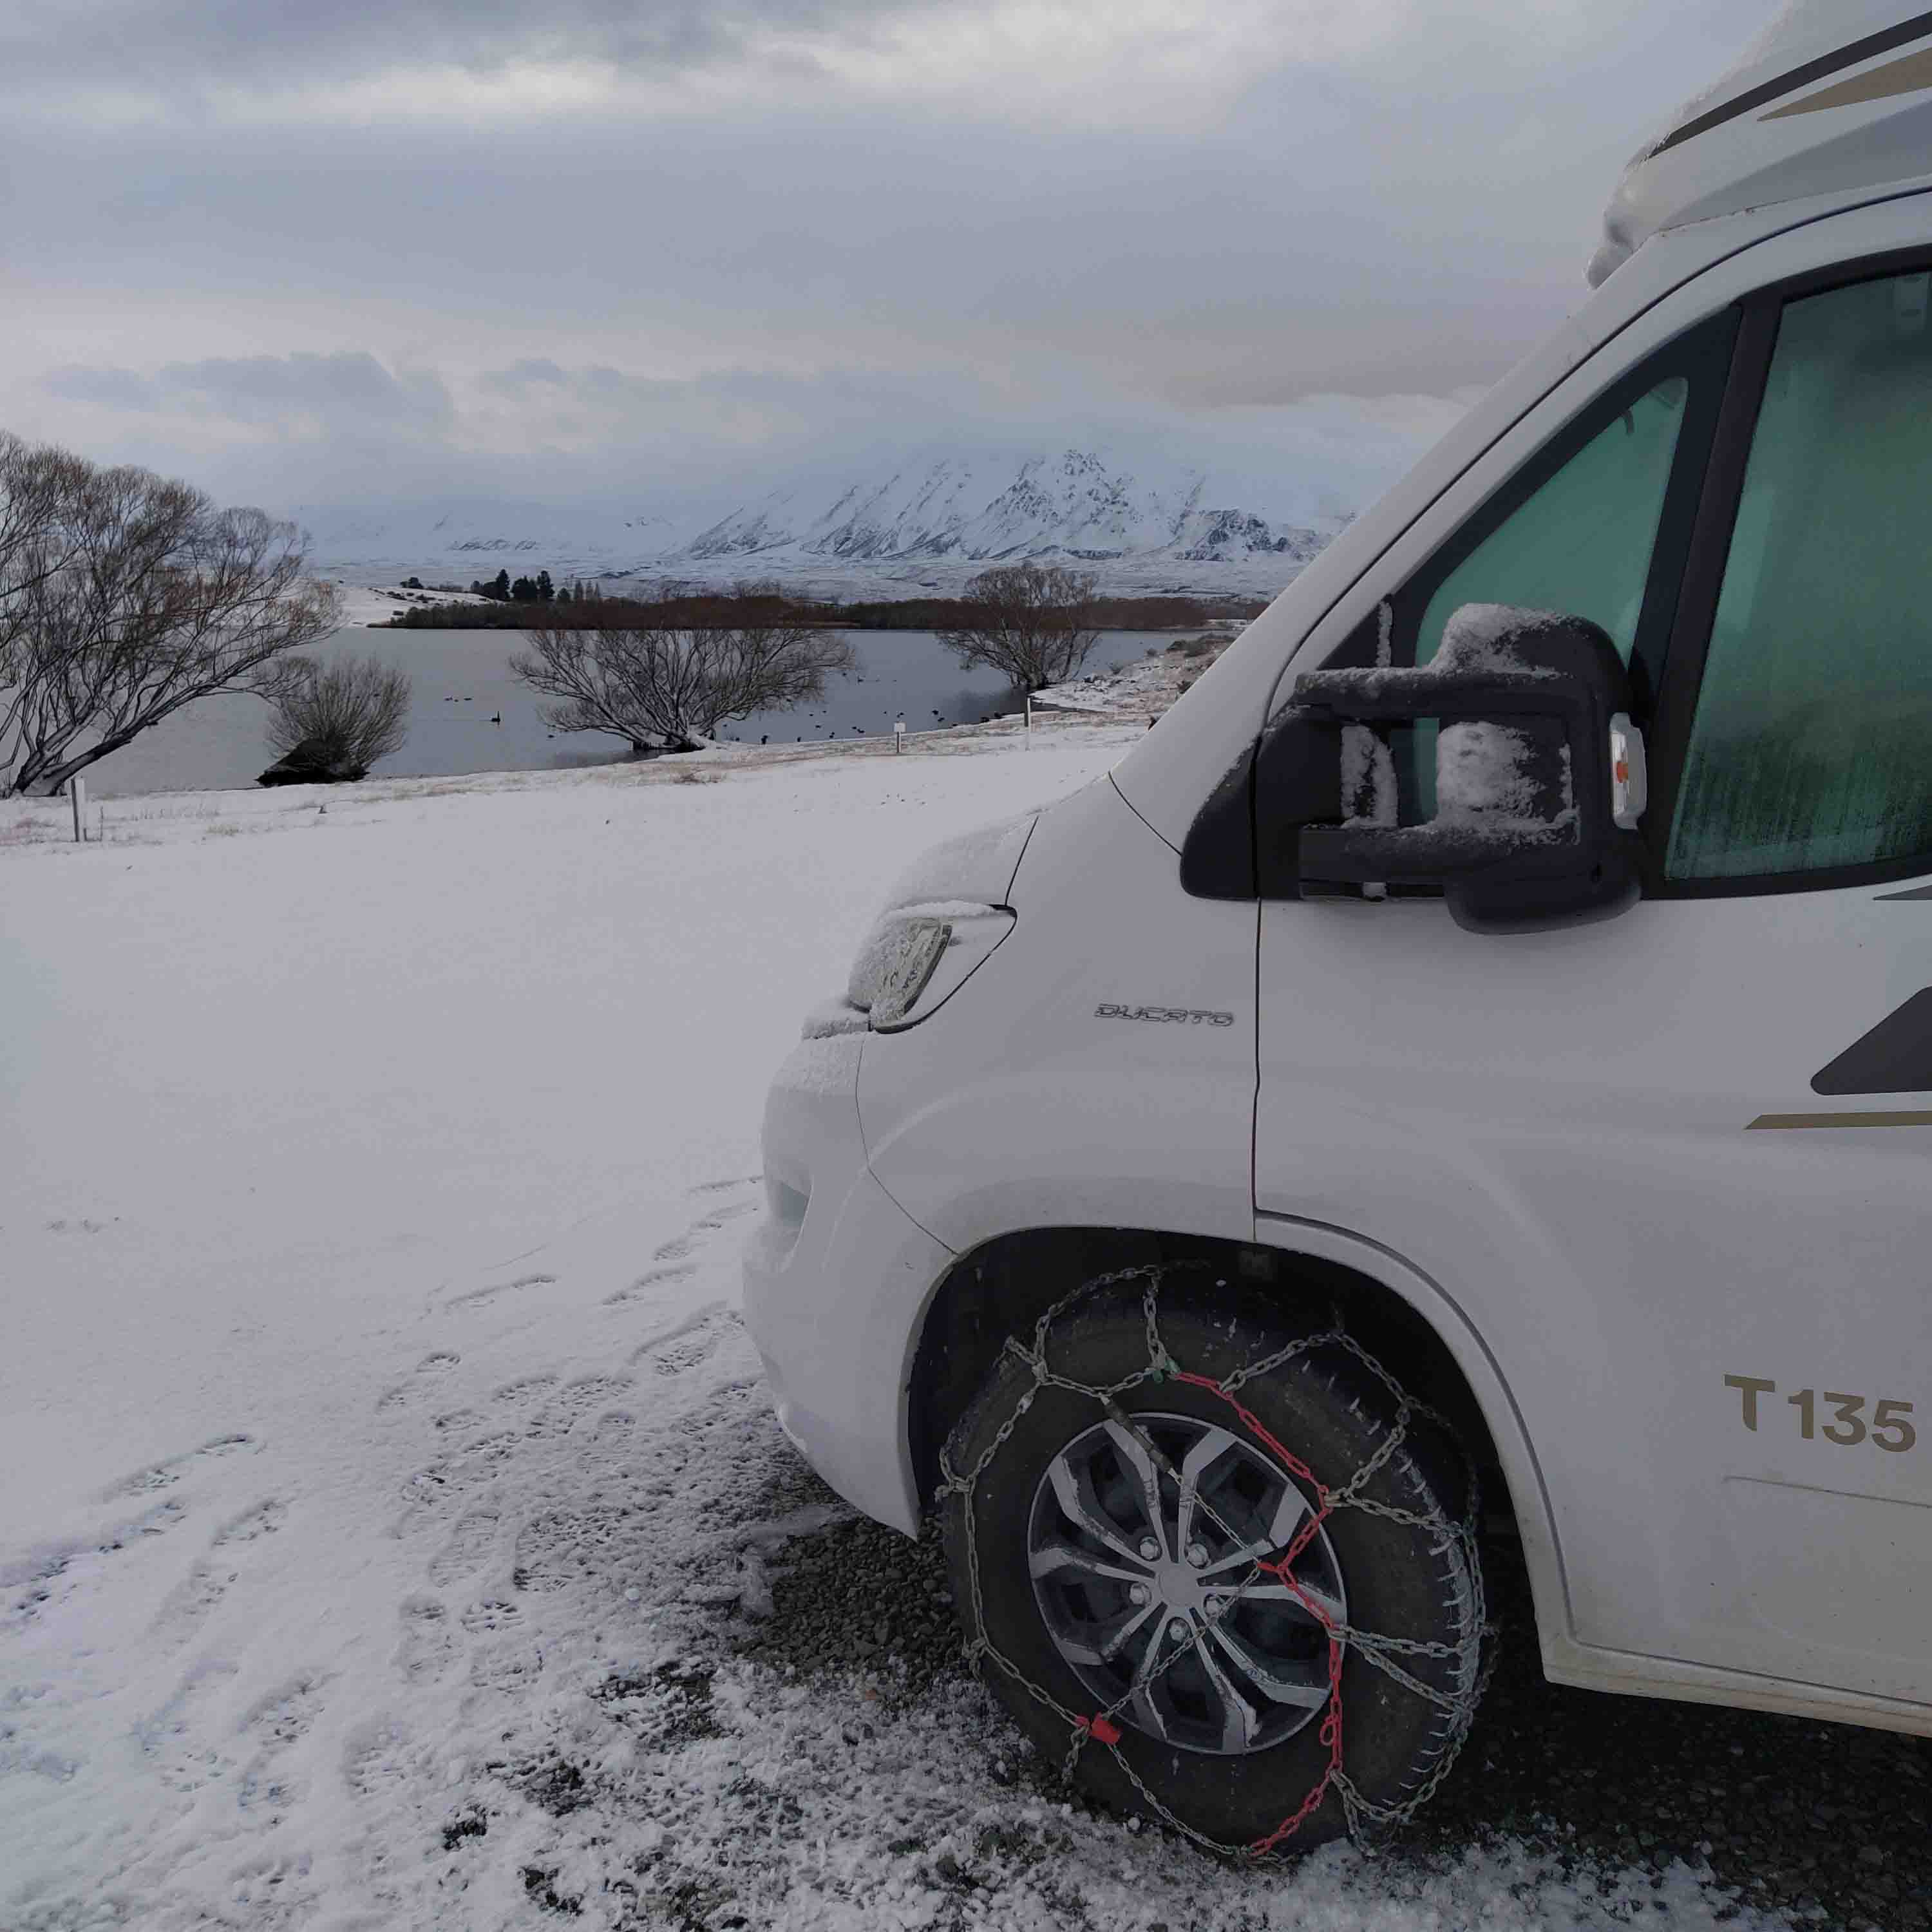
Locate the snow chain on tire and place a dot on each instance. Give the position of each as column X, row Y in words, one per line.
column 1366, row 1818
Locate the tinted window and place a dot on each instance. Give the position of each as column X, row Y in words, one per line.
column 1577, row 533
column 1582, row 542
column 1812, row 745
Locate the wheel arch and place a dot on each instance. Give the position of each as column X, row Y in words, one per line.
column 1003, row 1286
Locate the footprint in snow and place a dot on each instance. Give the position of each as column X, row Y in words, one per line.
column 647, row 1285
column 524, row 1391
column 611, row 1429
column 693, row 1341
column 431, row 1490
column 481, row 1298
column 287, row 1713
column 264, row 1519
column 493, row 1613
column 278, row 1720
column 505, row 1665
column 434, row 1488
column 275, row 1890
column 174, row 1742
column 469, row 1543
column 438, row 1363
column 188, row 1605
column 673, row 1250
column 423, row 1494
column 427, row 1644
column 577, row 1401
column 475, row 1460
column 562, row 1547
column 56, row 1571
column 51, row 1765
column 165, row 1474
column 376, row 1759
column 725, row 1186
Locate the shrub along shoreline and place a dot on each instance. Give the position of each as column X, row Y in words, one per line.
column 737, row 608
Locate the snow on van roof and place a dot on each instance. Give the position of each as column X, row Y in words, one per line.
column 1834, row 95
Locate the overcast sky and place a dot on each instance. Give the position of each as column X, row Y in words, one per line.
column 311, row 251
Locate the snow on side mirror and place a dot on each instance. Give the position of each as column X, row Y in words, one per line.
column 1539, row 777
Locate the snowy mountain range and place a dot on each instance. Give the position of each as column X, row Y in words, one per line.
column 977, row 510
column 924, row 523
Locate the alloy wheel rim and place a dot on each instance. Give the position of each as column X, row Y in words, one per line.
column 1145, row 1572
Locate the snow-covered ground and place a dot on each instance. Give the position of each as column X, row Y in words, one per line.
column 1146, row 687
column 377, row 604
column 388, row 1497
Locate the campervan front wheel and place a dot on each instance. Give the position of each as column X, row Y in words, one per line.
column 1246, row 1604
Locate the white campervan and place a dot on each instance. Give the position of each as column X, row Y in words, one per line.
column 1484, row 1031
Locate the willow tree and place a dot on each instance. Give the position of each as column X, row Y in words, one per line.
column 124, row 596
column 1033, row 623
column 672, row 687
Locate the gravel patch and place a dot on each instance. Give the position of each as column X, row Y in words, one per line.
column 1807, row 1817
column 1821, row 1822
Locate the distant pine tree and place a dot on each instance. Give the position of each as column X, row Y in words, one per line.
column 500, row 588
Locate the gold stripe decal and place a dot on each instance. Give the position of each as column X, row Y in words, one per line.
column 1883, row 83
column 1840, row 1121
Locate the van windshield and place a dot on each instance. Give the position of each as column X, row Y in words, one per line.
column 1582, row 542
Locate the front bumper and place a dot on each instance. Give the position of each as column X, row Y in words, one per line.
column 837, row 1275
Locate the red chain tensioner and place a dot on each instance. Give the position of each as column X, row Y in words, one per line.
column 1282, row 1569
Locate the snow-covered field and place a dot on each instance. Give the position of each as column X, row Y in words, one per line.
column 390, row 1513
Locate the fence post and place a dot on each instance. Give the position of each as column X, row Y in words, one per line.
column 76, row 787
column 1029, row 735
column 898, row 735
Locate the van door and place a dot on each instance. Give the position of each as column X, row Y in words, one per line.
column 1675, row 1169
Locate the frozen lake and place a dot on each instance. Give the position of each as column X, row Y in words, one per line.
column 462, row 681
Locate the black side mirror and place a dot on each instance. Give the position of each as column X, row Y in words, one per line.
column 1538, row 777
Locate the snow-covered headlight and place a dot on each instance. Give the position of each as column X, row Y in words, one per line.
column 917, row 956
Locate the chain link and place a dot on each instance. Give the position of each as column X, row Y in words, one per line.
column 1364, row 1815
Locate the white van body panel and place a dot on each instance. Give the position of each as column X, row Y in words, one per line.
column 1099, row 1121
column 1565, row 1659
column 835, row 1274
column 1556, row 1129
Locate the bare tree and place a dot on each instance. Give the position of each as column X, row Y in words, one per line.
column 124, row 596
column 342, row 716
column 1033, row 624
column 671, row 686
column 37, row 482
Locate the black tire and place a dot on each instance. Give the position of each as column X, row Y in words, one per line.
column 1415, row 1579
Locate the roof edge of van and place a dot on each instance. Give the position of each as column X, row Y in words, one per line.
column 1835, row 96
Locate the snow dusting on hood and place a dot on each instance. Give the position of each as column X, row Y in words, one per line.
column 975, row 868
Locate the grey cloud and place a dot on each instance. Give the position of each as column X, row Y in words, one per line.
column 145, row 40
column 106, row 388
column 521, row 376
column 270, row 390
column 575, row 300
